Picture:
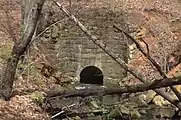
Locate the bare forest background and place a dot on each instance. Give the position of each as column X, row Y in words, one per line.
column 30, row 68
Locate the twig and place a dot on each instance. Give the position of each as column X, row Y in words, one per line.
column 63, row 111
column 147, row 46
column 47, row 28
column 150, row 59
column 29, row 66
column 75, row 113
column 142, row 51
column 59, row 113
column 116, row 59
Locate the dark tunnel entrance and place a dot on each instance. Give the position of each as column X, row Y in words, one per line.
column 91, row 75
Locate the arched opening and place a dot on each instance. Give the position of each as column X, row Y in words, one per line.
column 91, row 75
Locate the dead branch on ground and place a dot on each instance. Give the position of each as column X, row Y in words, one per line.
column 120, row 90
column 71, row 113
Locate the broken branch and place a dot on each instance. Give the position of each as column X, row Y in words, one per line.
column 147, row 55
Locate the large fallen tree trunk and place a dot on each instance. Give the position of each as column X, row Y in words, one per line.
column 124, row 89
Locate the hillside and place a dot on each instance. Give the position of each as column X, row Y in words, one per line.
column 158, row 23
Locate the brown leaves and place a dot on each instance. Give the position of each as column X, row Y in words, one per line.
column 10, row 14
column 21, row 108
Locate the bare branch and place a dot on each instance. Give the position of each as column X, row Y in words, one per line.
column 41, row 33
column 72, row 113
column 147, row 46
column 142, row 51
column 150, row 59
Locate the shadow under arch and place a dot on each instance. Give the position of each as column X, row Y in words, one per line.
column 91, row 75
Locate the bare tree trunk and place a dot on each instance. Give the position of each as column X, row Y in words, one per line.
column 31, row 10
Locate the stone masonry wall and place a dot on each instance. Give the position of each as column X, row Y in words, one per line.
column 71, row 50
column 76, row 53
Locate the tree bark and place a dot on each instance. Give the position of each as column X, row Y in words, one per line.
column 96, row 90
column 31, row 10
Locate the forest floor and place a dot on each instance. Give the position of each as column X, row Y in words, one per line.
column 157, row 22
